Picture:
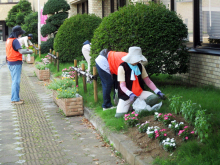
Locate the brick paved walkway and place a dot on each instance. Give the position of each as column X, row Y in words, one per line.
column 35, row 133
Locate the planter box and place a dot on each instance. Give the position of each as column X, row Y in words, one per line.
column 42, row 74
column 71, row 106
column 29, row 60
column 55, row 97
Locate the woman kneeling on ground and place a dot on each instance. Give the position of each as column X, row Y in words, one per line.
column 132, row 76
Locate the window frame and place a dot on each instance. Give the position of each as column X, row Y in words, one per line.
column 197, row 45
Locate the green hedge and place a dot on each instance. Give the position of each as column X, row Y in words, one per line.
column 46, row 46
column 53, row 6
column 71, row 35
column 159, row 32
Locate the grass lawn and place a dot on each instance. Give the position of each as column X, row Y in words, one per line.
column 191, row 152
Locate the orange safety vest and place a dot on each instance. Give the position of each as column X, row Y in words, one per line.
column 136, row 88
column 114, row 60
column 11, row 54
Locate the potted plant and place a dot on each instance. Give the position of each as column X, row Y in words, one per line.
column 42, row 72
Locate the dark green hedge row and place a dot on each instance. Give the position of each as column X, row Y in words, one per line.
column 159, row 32
column 71, row 35
column 46, row 46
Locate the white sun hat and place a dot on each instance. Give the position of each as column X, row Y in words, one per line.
column 134, row 55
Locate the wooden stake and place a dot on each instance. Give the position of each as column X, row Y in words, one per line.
column 54, row 53
column 76, row 74
column 50, row 56
column 95, row 85
column 58, row 67
column 84, row 79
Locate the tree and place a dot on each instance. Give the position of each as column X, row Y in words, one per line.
column 158, row 31
column 18, row 12
column 31, row 25
column 58, row 10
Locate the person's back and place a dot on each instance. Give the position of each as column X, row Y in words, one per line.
column 114, row 60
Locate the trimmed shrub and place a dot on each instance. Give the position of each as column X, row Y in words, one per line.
column 48, row 29
column 30, row 26
column 53, row 6
column 57, row 19
column 159, row 32
column 46, row 46
column 71, row 35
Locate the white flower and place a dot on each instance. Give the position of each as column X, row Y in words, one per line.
column 163, row 141
column 181, row 123
column 176, row 125
column 169, row 126
column 174, row 144
column 168, row 139
column 172, row 140
column 156, row 113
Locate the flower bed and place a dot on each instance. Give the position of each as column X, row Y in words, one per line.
column 42, row 72
column 66, row 97
column 151, row 142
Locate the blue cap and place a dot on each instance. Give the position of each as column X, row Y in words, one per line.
column 86, row 42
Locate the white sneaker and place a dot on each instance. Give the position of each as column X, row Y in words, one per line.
column 104, row 109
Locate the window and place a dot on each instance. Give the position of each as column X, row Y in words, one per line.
column 112, row 5
column 210, row 21
column 83, row 7
column 185, row 9
column 78, row 8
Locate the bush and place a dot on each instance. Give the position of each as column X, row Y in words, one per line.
column 46, row 46
column 53, row 6
column 159, row 32
column 71, row 35
column 48, row 29
column 30, row 26
column 57, row 19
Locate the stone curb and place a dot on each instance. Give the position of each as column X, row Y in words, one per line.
column 120, row 142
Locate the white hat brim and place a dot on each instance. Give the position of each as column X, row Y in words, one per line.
column 133, row 58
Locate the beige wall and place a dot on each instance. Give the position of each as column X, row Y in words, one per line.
column 4, row 9
column 204, row 70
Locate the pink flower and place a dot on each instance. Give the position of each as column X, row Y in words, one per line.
column 186, row 127
column 133, row 112
column 77, row 86
column 165, row 118
column 136, row 114
column 165, row 134
column 133, row 117
column 186, row 137
column 126, row 119
column 156, row 131
column 192, row 132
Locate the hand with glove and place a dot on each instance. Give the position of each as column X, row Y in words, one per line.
column 161, row 95
column 132, row 97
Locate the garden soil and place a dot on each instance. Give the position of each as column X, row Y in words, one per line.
column 151, row 146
